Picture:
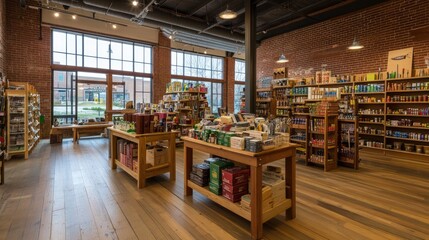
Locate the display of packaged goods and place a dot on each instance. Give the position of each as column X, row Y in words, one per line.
column 215, row 188
column 210, row 160
column 232, row 197
column 235, row 175
column 199, row 180
column 201, row 169
column 257, row 134
column 237, row 143
column 237, row 188
column 156, row 155
column 254, row 145
column 216, row 170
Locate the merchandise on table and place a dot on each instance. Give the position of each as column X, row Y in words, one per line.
column 216, row 170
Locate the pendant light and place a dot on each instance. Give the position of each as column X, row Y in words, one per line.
column 228, row 14
column 355, row 45
column 282, row 59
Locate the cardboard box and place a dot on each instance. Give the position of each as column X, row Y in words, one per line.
column 235, row 175
column 56, row 138
column 232, row 197
column 235, row 189
column 156, row 156
column 215, row 188
column 216, row 168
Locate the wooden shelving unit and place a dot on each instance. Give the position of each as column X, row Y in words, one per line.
column 324, row 154
column 255, row 161
column 23, row 127
column 298, row 132
column 143, row 171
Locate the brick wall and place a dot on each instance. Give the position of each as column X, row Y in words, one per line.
column 228, row 100
column 28, row 57
column 380, row 29
column 161, row 68
column 2, row 36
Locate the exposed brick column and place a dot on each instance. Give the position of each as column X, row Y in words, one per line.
column 28, row 57
column 3, row 37
column 161, row 67
column 230, row 78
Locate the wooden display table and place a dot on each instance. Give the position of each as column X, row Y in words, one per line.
column 255, row 161
column 141, row 140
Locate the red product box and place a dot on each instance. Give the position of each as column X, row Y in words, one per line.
column 235, row 175
column 236, row 189
column 232, row 197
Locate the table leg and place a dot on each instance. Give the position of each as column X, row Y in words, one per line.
column 256, row 201
column 290, row 170
column 74, row 135
column 113, row 150
column 172, row 156
column 141, row 156
column 188, row 160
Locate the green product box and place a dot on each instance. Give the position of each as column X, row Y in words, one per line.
column 227, row 139
column 216, row 168
column 214, row 188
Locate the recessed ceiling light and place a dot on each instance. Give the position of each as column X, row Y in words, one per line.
column 114, row 26
column 135, row 3
column 56, row 14
column 74, row 17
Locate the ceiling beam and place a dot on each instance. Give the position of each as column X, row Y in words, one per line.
column 198, row 7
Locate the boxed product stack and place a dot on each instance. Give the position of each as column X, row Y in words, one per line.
column 235, row 182
column 216, row 167
column 200, row 174
column 156, row 155
column 273, row 178
column 127, row 152
column 267, row 200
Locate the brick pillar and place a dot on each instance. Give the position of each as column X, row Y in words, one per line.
column 230, row 79
column 28, row 56
column 3, row 37
column 161, row 67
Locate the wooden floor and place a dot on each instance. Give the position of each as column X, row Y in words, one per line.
column 69, row 192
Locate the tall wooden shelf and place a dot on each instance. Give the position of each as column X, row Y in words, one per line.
column 190, row 105
column 23, row 126
column 419, row 86
column 324, row 154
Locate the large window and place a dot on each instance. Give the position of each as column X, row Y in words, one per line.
column 82, row 95
column 196, row 65
column 240, row 78
column 84, row 50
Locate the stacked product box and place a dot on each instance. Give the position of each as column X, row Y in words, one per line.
column 200, row 174
column 267, row 200
column 235, row 182
column 127, row 152
column 216, row 167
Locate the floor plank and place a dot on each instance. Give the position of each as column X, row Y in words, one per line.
column 68, row 191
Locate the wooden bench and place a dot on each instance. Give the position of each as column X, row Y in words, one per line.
column 87, row 129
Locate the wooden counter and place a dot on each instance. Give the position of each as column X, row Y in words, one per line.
column 141, row 140
column 255, row 161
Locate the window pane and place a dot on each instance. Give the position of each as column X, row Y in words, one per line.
column 116, row 50
column 173, row 58
column 128, row 52
column 180, row 71
column 90, row 62
column 180, row 59
column 146, row 97
column 103, row 63
column 147, row 68
column 103, row 48
column 116, row 65
column 148, row 55
column 59, row 41
column 79, row 61
column 71, row 43
column 138, row 53
column 59, row 58
column 90, row 47
column 173, row 70
column 79, row 44
column 127, row 66
column 71, row 60
column 138, row 67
